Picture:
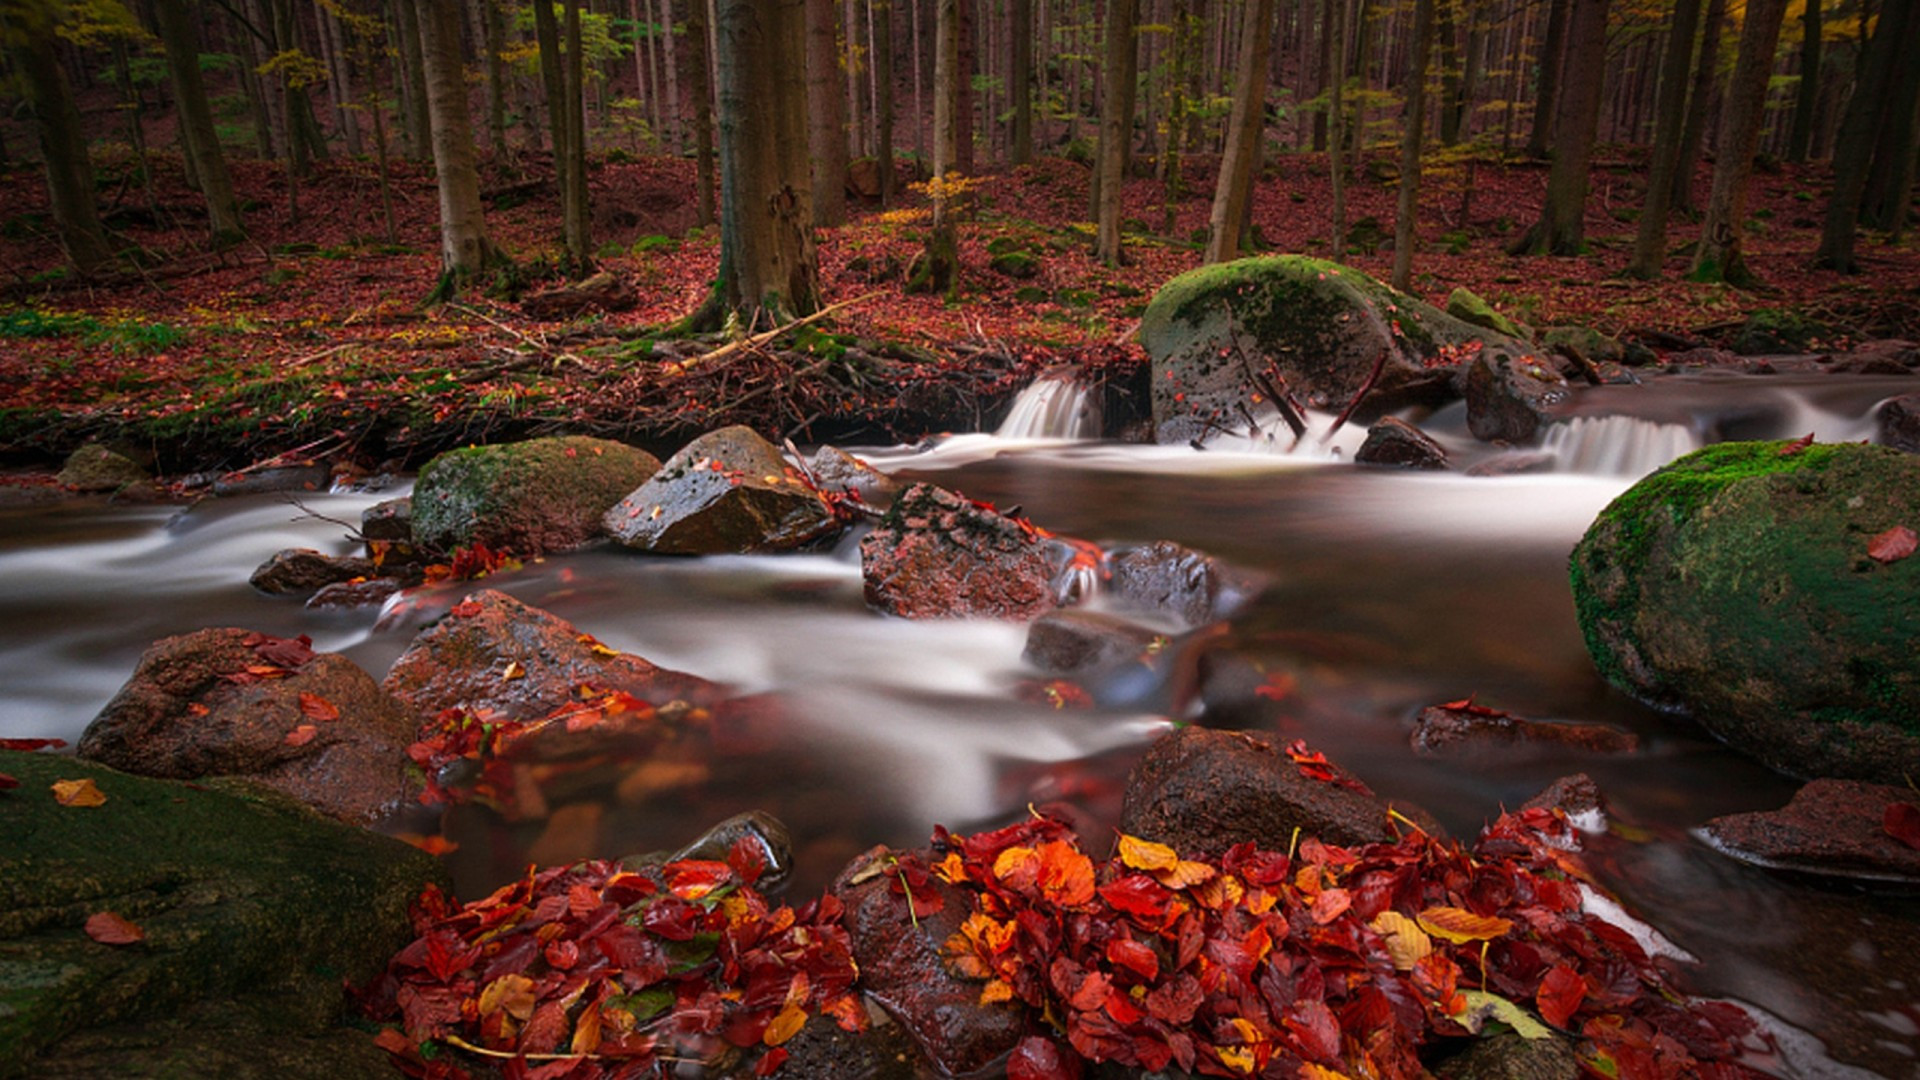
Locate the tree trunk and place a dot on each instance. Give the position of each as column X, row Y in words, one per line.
column 333, row 47
column 196, row 120
column 963, row 127
column 577, row 224
column 1806, row 101
column 465, row 249
column 1889, row 178
column 1233, row 191
column 1116, row 125
column 1561, row 229
column 938, row 267
column 1719, row 256
column 883, row 96
column 1445, row 31
column 1867, row 114
column 63, row 143
column 1650, row 243
column 1403, row 221
column 1337, row 131
column 1552, row 59
column 768, row 272
column 853, row 138
column 700, row 65
column 493, row 30
column 415, row 123
column 1706, row 81
column 1020, row 80
column 826, row 112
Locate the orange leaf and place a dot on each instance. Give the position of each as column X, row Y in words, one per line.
column 1893, row 545
column 1460, row 926
column 514, row 671
column 1184, row 873
column 785, row 1026
column 510, row 993
column 318, row 708
column 302, row 735
column 78, row 793
column 1145, row 854
column 432, row 845
column 1066, row 875
column 1330, row 905
column 996, row 990
column 108, row 928
column 586, row 1032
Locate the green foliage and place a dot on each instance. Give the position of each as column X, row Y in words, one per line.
column 34, row 323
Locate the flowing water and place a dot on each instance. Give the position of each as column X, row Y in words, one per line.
column 1386, row 591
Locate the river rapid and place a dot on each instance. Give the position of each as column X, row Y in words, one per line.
column 1386, row 591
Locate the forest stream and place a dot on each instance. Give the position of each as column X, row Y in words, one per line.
column 1386, row 592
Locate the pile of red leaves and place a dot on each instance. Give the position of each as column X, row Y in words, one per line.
column 594, row 970
column 1328, row 962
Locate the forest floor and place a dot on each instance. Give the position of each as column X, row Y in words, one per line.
column 312, row 338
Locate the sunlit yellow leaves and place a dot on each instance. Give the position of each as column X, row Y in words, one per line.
column 785, row 1025
column 1238, row 1058
column 1166, row 866
column 512, row 994
column 1055, row 870
column 78, row 793
column 1460, row 926
column 1406, row 943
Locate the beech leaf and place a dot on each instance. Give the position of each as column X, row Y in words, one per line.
column 1482, row 1006
column 108, row 928
column 1561, row 994
column 1893, row 545
column 78, row 793
column 30, row 745
column 1902, row 822
column 301, row 735
column 1460, row 926
column 318, row 708
column 1406, row 942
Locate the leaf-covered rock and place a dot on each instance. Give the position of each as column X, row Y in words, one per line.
column 940, row 555
column 526, row 497
column 1736, row 584
column 231, row 702
column 1225, row 338
column 727, row 491
column 240, row 894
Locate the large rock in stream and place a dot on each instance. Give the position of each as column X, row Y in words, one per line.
column 256, row 913
column 1224, row 338
column 727, row 491
column 937, row 554
column 232, row 702
column 1764, row 588
column 526, row 497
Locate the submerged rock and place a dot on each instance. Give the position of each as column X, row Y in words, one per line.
column 230, row 702
column 1177, row 583
column 94, row 467
column 1073, row 640
column 940, row 555
column 1462, row 728
column 526, row 497
column 1224, row 338
column 250, row 906
column 301, row 476
column 305, row 571
column 1393, row 442
column 1758, row 587
column 1837, row 828
column 727, row 491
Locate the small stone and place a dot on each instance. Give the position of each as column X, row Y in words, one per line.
column 303, row 571
column 1395, row 443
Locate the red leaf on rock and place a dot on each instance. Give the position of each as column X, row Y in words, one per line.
column 1902, row 822
column 108, row 928
column 1561, row 993
column 301, row 735
column 465, row 609
column 1038, row 1058
column 280, row 652
column 318, row 708
column 1797, row 445
column 29, row 745
column 1893, row 545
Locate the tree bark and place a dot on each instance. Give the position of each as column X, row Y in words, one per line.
column 883, row 96
column 465, row 249
column 1546, row 99
column 493, row 30
column 700, row 65
column 414, row 107
column 1650, row 242
column 1867, row 113
column 1706, row 82
column 1233, row 191
column 1409, row 196
column 577, row 225
column 1020, row 80
column 1116, row 124
column 196, row 121
column 1337, row 131
column 826, row 110
column 63, row 143
column 1719, row 257
column 1561, row 229
column 1806, row 101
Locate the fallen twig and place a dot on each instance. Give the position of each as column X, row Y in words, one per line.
column 757, row 340
column 1379, row 364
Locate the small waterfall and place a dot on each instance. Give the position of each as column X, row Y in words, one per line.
column 1054, row 406
column 1617, row 445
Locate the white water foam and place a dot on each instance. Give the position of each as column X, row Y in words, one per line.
column 1053, row 407
column 1617, row 445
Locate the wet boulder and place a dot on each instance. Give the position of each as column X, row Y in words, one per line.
column 1223, row 339
column 903, row 966
column 390, row 520
column 1761, row 587
column 346, row 595
column 493, row 654
column 836, row 470
column 1900, row 423
column 304, row 571
column 1509, row 397
column 1201, row 791
column 254, row 914
column 1176, row 583
column 94, row 467
column 1836, row 828
column 1887, row 356
column 937, row 554
column 1463, row 729
column 1074, row 640
column 231, row 702
column 1394, row 443
column 1511, row 1056
column 726, row 491
column 526, row 497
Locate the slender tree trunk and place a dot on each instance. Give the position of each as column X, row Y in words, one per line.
column 63, row 143
column 1706, row 81
column 1546, row 99
column 1233, row 191
column 333, row 47
column 1867, row 113
column 1719, row 257
column 1337, row 132
column 671, row 48
column 553, row 80
column 883, row 97
column 1889, row 178
column 938, row 267
column 1409, row 196
column 826, row 109
column 1020, row 80
column 853, row 137
column 1116, row 125
column 699, row 63
column 1561, row 229
column 465, row 249
column 493, row 41
column 1445, row 29
column 577, row 225
column 963, row 123
column 413, row 93
column 1650, row 243
column 196, row 120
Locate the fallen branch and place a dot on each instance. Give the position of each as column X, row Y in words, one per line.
column 1373, row 376
column 757, row 340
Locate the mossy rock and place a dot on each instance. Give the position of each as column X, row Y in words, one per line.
column 94, row 467
column 1020, row 265
column 1777, row 330
column 1222, row 337
column 1735, row 585
column 1464, row 303
column 526, row 497
column 243, row 896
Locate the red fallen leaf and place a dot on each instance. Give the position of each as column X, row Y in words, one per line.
column 317, row 707
column 1039, row 1058
column 30, row 745
column 1902, row 822
column 280, row 652
column 1893, row 545
column 302, row 735
column 465, row 609
column 1561, row 993
column 775, row 1057
column 1135, row 956
column 1797, row 445
column 8, row 782
column 108, row 928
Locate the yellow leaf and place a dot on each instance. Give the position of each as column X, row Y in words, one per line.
column 78, row 793
column 586, row 1033
column 996, row 990
column 1310, row 1071
column 1406, row 942
column 1184, row 873
column 511, row 993
column 1145, row 854
column 1460, row 926
column 514, row 671
column 1238, row 1058
column 785, row 1026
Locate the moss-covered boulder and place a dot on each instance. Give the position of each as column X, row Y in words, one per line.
column 247, row 901
column 1755, row 587
column 526, row 497
column 1223, row 339
column 1465, row 304
column 727, row 491
column 94, row 467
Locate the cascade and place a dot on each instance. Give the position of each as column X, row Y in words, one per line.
column 1617, row 445
column 1054, row 406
